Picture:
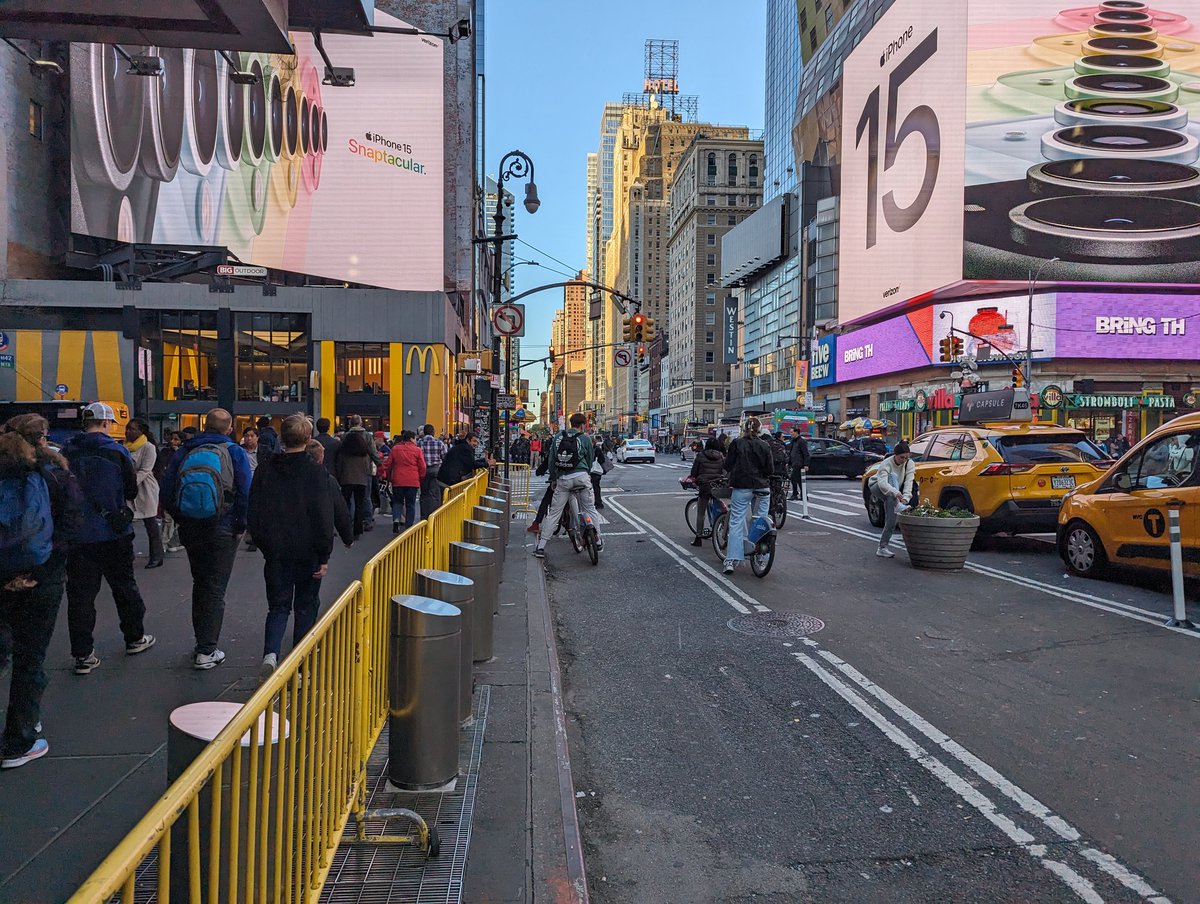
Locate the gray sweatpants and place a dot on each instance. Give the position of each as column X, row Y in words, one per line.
column 889, row 515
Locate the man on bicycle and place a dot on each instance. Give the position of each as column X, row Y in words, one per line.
column 750, row 468
column 570, row 455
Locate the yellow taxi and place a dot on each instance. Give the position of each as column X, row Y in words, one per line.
column 1122, row 517
column 1013, row 476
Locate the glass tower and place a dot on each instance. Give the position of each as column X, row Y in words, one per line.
column 782, row 84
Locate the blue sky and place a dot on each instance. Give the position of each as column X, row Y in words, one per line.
column 552, row 64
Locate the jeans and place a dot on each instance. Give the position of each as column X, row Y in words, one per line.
column 155, row 538
column 30, row 616
column 563, row 488
column 210, row 552
column 86, row 565
column 404, row 501
column 888, row 501
column 431, row 493
column 356, row 501
column 738, row 506
column 291, row 587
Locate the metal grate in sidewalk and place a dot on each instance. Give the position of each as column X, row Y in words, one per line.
column 389, row 873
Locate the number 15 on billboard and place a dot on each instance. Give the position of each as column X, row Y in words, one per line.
column 903, row 149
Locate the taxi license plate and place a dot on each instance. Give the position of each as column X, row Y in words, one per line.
column 1062, row 483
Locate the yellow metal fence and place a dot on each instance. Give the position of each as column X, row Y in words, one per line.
column 520, row 479
column 257, row 817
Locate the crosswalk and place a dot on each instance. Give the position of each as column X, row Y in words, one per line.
column 669, row 465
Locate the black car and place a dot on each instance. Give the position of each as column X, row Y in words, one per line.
column 869, row 444
column 834, row 458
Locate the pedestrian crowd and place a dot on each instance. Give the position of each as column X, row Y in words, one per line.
column 67, row 523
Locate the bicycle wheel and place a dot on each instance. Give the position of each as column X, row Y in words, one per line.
column 779, row 510
column 589, row 540
column 567, row 523
column 720, row 535
column 763, row 556
column 689, row 513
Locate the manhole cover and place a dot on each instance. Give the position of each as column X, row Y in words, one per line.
column 774, row 624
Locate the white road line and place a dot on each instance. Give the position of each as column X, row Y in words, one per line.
column 1079, row 885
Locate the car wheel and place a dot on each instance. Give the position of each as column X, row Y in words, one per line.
column 957, row 500
column 874, row 509
column 1082, row 550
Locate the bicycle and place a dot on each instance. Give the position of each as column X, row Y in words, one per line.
column 779, row 500
column 762, row 542
column 579, row 527
column 719, row 504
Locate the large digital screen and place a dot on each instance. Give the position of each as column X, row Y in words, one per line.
column 980, row 140
column 345, row 183
column 1126, row 326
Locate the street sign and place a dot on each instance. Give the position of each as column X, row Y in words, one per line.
column 506, row 400
column 509, row 319
column 62, row 389
column 1004, row 405
column 622, row 357
column 240, row 270
column 8, row 360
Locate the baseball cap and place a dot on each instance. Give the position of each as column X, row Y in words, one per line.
column 379, row 434
column 98, row 411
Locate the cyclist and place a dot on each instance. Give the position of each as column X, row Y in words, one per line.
column 750, row 467
column 707, row 467
column 570, row 455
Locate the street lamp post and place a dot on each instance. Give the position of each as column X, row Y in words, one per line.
column 514, row 164
column 1033, row 278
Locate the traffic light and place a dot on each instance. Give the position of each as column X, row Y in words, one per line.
column 1018, row 378
column 641, row 354
column 956, row 347
column 649, row 329
column 946, row 350
column 627, row 329
column 638, row 323
column 551, row 357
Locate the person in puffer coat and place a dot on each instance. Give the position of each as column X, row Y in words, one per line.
column 708, row 467
column 404, row 469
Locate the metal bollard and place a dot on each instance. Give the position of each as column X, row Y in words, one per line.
column 479, row 564
column 423, row 692
column 486, row 534
column 498, row 499
column 498, row 505
column 459, row 591
column 496, row 517
column 1180, row 620
column 190, row 728
column 803, row 494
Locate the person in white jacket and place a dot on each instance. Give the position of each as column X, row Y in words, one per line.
column 892, row 484
column 145, row 506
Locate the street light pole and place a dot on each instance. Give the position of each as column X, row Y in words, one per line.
column 514, row 164
column 1033, row 278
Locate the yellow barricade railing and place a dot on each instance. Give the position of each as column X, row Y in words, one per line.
column 277, row 786
column 520, row 478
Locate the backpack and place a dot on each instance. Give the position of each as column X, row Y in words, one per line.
column 780, row 457
column 26, row 523
column 566, row 452
column 204, row 484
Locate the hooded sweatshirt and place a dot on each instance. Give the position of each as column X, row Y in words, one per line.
column 107, row 480
column 291, row 510
column 708, row 466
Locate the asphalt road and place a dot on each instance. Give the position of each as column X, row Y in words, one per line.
column 1006, row 733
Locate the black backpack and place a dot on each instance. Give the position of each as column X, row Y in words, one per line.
column 566, row 452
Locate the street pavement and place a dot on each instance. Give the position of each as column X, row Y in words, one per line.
column 61, row 815
column 1006, row 733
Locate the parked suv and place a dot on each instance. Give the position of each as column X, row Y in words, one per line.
column 1013, row 476
column 1122, row 518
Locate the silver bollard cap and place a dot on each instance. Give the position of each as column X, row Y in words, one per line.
column 464, row 554
column 474, row 528
column 445, row 585
column 420, row 616
column 488, row 510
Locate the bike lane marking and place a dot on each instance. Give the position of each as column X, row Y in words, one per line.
column 1078, row 884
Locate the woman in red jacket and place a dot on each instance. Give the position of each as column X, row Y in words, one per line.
column 404, row 468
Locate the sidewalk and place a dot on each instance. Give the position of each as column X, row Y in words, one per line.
column 518, row 834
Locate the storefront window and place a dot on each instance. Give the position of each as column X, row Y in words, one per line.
column 272, row 357
column 183, row 348
column 363, row 367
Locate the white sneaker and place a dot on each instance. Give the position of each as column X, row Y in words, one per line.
column 884, row 553
column 729, row 566
column 270, row 661
column 208, row 660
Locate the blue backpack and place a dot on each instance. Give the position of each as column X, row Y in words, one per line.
column 204, row 484
column 26, row 524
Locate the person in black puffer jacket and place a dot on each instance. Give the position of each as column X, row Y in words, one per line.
column 708, row 467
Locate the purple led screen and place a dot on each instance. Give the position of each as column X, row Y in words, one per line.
column 1128, row 326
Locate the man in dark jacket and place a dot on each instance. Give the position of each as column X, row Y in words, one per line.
column 291, row 520
column 330, row 444
column 211, row 547
column 104, row 544
column 460, row 462
column 799, row 456
column 708, row 467
column 268, row 439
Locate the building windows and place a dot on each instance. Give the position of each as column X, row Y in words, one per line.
column 35, row 119
column 710, row 337
column 710, row 201
column 363, row 367
column 187, row 368
column 710, row 318
column 803, row 20
column 712, row 219
column 710, row 298
column 708, row 396
column 753, row 170
column 711, row 259
column 812, row 40
column 710, row 357
column 829, row 19
column 709, row 376
column 733, row 220
column 732, row 168
column 711, row 240
column 712, row 169
column 272, row 357
column 731, row 201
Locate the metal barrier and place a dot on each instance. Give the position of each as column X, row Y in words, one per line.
column 329, row 702
column 520, row 478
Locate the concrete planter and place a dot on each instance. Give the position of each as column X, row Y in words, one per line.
column 938, row 543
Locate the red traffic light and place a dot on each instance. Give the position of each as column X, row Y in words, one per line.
column 638, row 319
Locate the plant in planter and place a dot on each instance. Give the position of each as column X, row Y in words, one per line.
column 937, row 538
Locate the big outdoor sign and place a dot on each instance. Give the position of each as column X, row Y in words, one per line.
column 289, row 173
